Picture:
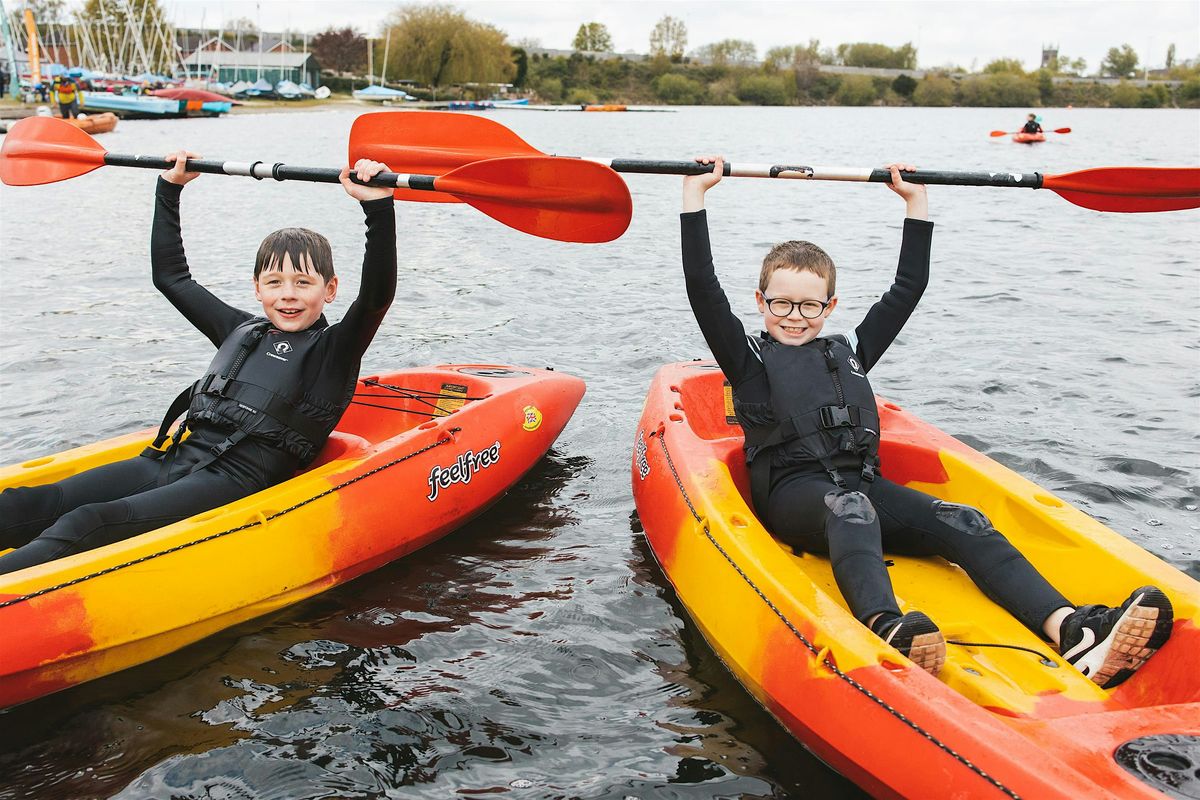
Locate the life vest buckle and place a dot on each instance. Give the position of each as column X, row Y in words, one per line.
column 836, row 417
column 214, row 384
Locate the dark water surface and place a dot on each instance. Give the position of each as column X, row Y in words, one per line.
column 538, row 652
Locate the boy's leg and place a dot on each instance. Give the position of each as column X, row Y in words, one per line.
column 97, row 524
column 915, row 523
column 817, row 516
column 26, row 511
column 811, row 513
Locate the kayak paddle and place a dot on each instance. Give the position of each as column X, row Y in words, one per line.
column 1014, row 133
column 580, row 202
column 432, row 142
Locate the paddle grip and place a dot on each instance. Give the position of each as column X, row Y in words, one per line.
column 1030, row 180
column 259, row 170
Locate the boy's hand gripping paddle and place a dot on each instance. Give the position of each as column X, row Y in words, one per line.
column 571, row 201
column 432, row 142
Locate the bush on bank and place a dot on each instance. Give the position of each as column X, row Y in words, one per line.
column 661, row 80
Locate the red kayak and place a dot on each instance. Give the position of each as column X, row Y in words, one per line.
column 1028, row 138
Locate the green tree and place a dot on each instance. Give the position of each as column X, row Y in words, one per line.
column 669, row 38
column 521, row 61
column 795, row 56
column 904, row 85
column 764, row 90
column 550, row 88
column 1120, row 62
column 934, row 90
column 1012, row 65
column 438, row 45
column 593, row 37
column 871, row 54
column 728, row 51
column 1003, row 90
column 856, row 90
column 1171, row 55
column 678, row 90
column 1189, row 92
column 1063, row 65
column 1126, row 95
column 340, row 50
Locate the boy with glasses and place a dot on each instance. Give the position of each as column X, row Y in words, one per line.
column 812, row 441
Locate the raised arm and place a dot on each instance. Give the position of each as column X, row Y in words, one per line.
column 887, row 317
column 723, row 331
column 168, row 262
column 377, row 287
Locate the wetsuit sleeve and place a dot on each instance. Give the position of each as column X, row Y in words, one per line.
column 722, row 330
column 168, row 263
column 885, row 319
column 377, row 288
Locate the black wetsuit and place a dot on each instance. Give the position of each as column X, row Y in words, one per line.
column 807, row 510
column 1032, row 127
column 119, row 500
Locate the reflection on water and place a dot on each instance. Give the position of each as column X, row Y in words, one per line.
column 538, row 652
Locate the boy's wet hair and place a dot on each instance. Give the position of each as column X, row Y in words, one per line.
column 307, row 250
column 801, row 257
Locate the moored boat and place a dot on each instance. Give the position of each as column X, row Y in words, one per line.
column 1006, row 715
column 95, row 123
column 379, row 94
column 417, row 454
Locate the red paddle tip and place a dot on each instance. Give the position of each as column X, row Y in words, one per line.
column 41, row 150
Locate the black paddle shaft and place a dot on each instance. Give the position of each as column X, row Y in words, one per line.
column 261, row 170
column 1031, row 180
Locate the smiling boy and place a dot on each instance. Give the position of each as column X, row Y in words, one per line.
column 812, row 445
column 263, row 409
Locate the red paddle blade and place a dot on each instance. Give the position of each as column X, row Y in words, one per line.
column 431, row 143
column 555, row 198
column 998, row 133
column 1062, row 130
column 1129, row 189
column 41, row 150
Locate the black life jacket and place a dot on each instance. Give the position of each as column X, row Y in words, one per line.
column 822, row 409
column 270, row 406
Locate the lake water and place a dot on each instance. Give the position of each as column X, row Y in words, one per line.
column 538, row 652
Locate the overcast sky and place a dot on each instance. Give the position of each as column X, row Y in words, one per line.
column 960, row 32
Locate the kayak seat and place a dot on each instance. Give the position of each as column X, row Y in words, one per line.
column 340, row 445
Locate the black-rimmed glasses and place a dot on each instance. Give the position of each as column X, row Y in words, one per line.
column 782, row 307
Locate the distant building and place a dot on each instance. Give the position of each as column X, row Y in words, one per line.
column 214, row 61
column 1049, row 56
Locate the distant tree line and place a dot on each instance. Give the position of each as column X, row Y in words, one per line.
column 439, row 47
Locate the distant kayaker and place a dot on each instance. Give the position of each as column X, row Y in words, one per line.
column 66, row 94
column 275, row 389
column 1032, row 125
column 812, row 444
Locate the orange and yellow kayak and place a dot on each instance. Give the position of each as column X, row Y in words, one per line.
column 417, row 453
column 997, row 721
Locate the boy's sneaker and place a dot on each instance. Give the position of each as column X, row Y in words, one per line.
column 1110, row 644
column 917, row 638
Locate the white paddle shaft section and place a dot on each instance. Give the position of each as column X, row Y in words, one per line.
column 1031, row 180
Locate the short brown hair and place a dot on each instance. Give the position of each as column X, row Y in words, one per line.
column 295, row 243
column 801, row 257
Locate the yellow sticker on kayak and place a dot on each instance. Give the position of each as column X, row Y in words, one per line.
column 730, row 417
column 452, row 397
column 533, row 418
